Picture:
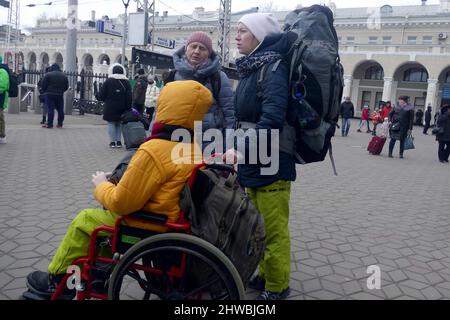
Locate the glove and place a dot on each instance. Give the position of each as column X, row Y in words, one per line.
column 100, row 177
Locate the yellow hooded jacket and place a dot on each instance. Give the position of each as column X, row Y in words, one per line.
column 153, row 180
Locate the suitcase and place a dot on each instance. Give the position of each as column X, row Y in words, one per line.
column 133, row 134
column 376, row 145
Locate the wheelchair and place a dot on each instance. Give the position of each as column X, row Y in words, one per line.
column 151, row 258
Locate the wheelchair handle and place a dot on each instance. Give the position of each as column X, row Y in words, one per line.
column 221, row 166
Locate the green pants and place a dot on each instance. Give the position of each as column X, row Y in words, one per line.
column 76, row 241
column 273, row 203
column 2, row 123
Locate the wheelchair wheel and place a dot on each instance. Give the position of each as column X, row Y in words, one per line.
column 174, row 266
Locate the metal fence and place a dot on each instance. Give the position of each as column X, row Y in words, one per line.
column 86, row 86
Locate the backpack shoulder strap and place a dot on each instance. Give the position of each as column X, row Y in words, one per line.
column 260, row 77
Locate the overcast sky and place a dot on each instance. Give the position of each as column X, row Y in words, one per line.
column 114, row 7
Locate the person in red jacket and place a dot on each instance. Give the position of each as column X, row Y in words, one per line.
column 364, row 118
column 386, row 110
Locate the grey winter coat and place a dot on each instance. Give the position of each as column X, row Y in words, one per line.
column 215, row 117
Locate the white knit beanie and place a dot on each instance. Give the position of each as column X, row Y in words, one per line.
column 261, row 24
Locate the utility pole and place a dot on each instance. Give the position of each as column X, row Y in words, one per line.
column 13, row 31
column 224, row 31
column 125, row 30
column 72, row 24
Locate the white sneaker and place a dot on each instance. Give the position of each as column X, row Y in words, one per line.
column 3, row 140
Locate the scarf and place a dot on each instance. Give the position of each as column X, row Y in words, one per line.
column 246, row 65
column 164, row 131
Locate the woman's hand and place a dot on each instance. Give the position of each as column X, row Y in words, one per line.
column 232, row 156
column 99, row 177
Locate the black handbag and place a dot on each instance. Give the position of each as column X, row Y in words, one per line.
column 437, row 130
column 395, row 126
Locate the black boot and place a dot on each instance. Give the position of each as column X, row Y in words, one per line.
column 43, row 285
column 257, row 283
column 43, row 120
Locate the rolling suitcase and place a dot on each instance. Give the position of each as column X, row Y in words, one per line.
column 376, row 145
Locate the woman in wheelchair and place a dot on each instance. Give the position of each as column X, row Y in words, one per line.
column 152, row 182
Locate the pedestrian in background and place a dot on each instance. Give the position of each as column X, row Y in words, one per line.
column 150, row 100
column 347, row 112
column 402, row 119
column 54, row 84
column 427, row 120
column 139, row 90
column 364, row 118
column 443, row 137
column 42, row 98
column 387, row 108
column 116, row 93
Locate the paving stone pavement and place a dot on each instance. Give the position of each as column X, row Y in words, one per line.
column 392, row 213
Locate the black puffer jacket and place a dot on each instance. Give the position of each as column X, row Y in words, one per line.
column 54, row 82
column 116, row 93
column 347, row 109
column 444, row 122
column 404, row 116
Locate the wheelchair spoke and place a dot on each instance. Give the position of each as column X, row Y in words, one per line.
column 206, row 285
column 145, row 285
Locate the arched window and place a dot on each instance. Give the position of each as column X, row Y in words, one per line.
column 374, row 73
column 447, row 77
column 415, row 75
column 386, row 10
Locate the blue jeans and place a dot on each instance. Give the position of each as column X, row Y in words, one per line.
column 114, row 131
column 53, row 101
column 345, row 126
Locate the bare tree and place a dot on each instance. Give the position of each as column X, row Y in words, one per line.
column 268, row 6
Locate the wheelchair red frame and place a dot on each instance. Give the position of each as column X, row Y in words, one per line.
column 181, row 225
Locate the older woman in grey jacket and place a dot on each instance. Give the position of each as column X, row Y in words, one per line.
column 198, row 61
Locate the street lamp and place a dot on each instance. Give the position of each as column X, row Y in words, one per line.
column 125, row 4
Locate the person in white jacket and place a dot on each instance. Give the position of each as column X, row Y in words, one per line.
column 151, row 96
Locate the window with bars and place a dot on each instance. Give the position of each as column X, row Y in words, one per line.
column 415, row 75
column 373, row 40
column 374, row 73
column 427, row 40
column 412, row 40
column 387, row 39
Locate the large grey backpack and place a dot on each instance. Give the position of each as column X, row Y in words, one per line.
column 221, row 213
column 315, row 81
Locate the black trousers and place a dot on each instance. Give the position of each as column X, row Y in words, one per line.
column 444, row 150
column 426, row 127
column 392, row 144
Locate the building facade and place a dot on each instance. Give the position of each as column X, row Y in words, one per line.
column 386, row 52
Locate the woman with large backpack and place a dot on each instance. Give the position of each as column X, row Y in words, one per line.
column 264, row 105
